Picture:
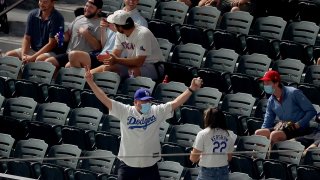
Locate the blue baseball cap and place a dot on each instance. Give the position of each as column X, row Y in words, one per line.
column 143, row 94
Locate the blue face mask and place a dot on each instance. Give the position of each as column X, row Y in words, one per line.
column 268, row 89
column 145, row 108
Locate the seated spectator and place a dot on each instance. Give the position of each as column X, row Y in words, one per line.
column 42, row 25
column 290, row 105
column 82, row 58
column 83, row 34
column 138, row 43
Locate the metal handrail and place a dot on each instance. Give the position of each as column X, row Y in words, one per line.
column 11, row 7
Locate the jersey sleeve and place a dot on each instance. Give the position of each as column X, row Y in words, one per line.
column 232, row 140
column 117, row 44
column 29, row 24
column 119, row 110
column 165, row 111
column 144, row 44
column 56, row 21
column 199, row 142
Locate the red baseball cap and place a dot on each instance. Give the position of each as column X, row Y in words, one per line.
column 271, row 76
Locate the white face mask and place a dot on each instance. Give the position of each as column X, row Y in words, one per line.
column 145, row 108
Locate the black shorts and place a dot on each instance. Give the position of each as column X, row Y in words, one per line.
column 62, row 59
column 126, row 172
column 94, row 61
column 295, row 133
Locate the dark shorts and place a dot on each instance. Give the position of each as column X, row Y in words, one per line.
column 62, row 59
column 94, row 61
column 295, row 133
column 126, row 172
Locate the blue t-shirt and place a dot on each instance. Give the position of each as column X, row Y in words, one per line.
column 295, row 106
column 41, row 30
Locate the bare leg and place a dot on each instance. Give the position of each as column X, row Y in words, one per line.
column 277, row 136
column 97, row 69
column 318, row 61
column 263, row 132
column 14, row 54
column 42, row 57
column 79, row 59
column 136, row 71
column 235, row 9
column 67, row 65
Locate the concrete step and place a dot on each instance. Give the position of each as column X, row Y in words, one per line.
column 17, row 19
column 9, row 42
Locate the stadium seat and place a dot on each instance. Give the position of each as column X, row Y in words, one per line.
column 83, row 122
column 234, row 27
column 191, row 115
column 6, row 143
column 205, row 97
column 110, row 6
column 237, row 107
column 306, row 10
column 194, row 172
column 312, row 75
column 312, row 157
column 184, row 62
column 70, row 152
column 167, row 19
column 239, row 176
column 101, row 162
column 146, row 8
column 282, row 165
column 290, row 70
column 218, row 64
column 169, row 169
column 259, row 145
column 307, row 172
column 199, row 26
column 32, row 149
column 311, row 92
column 107, row 141
column 16, row 113
column 165, row 46
column 173, row 148
column 67, row 87
column 164, row 130
column 49, row 120
column 109, row 82
column 184, row 135
column 110, row 124
column 166, row 92
column 266, row 36
column 9, row 71
column 250, row 69
column 34, row 75
column 298, row 41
